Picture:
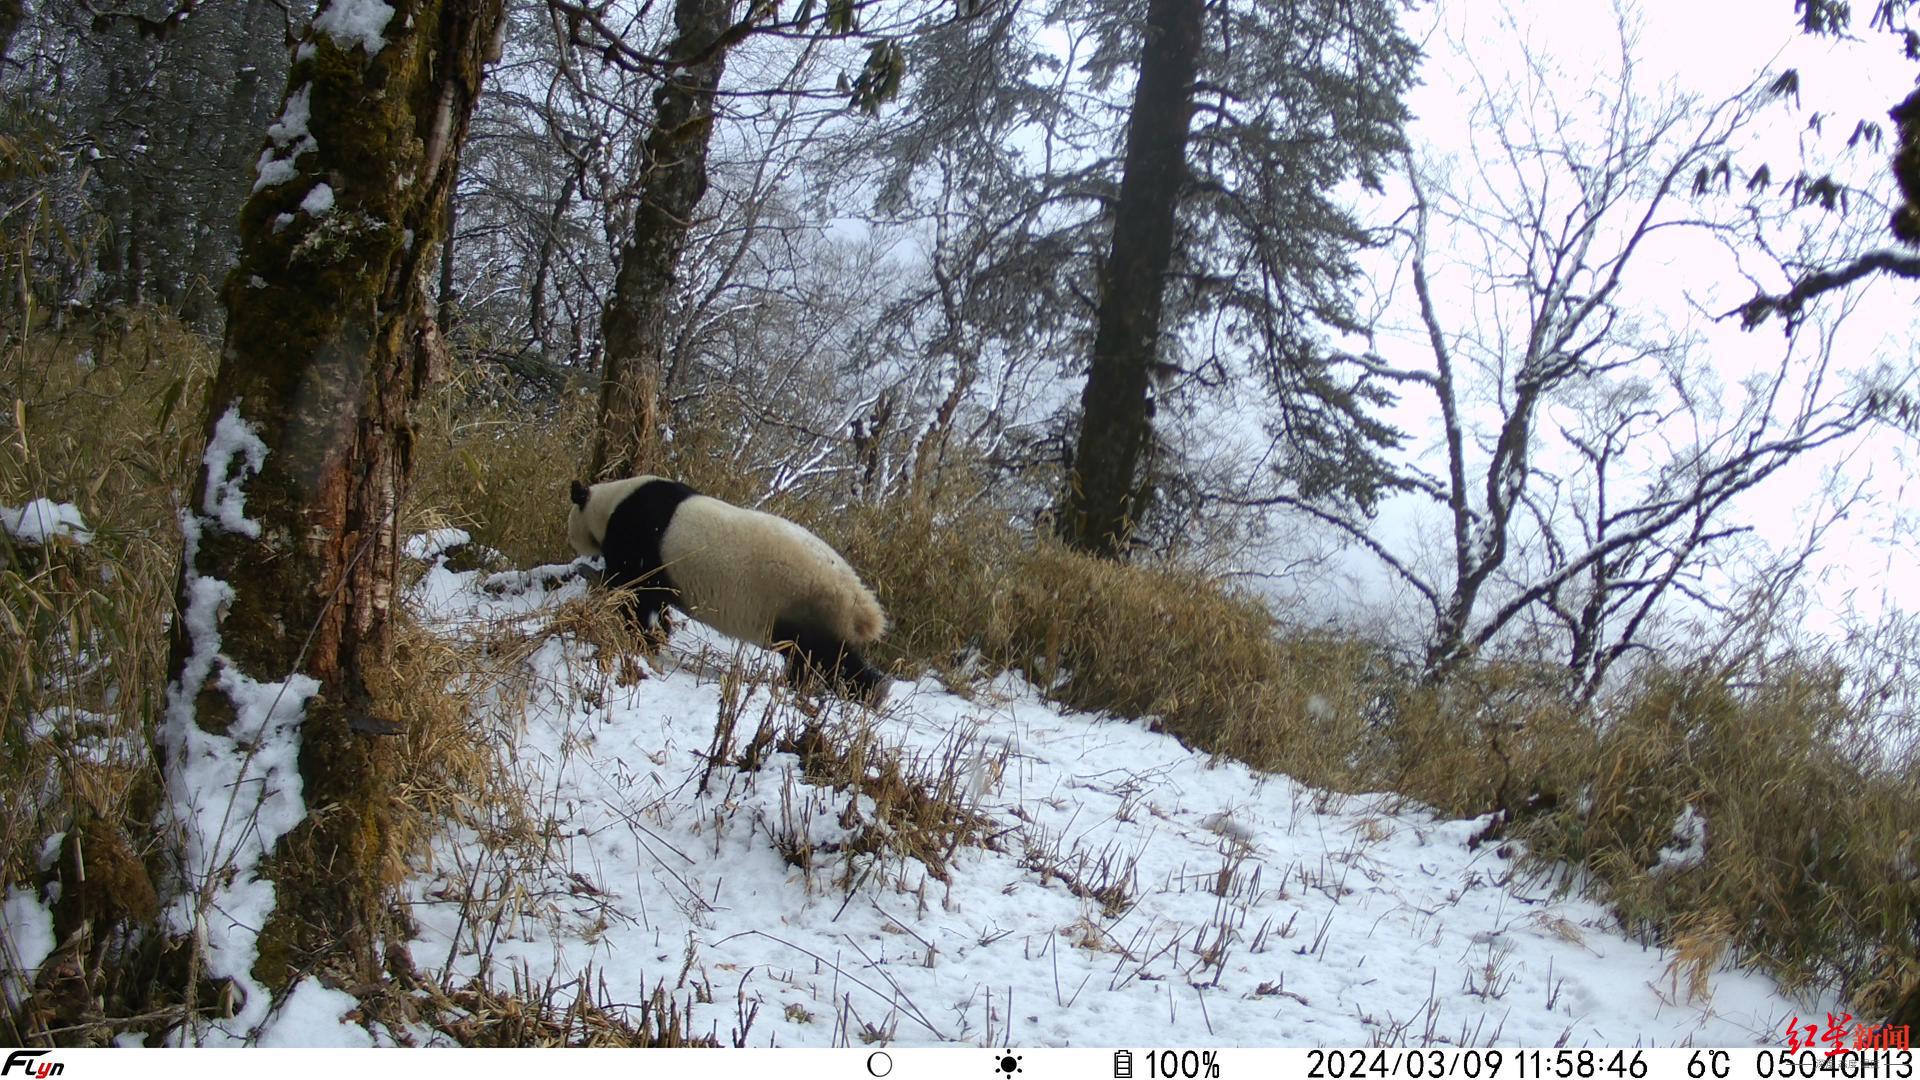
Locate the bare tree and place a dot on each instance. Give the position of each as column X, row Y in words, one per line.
column 1586, row 463
column 287, row 589
column 634, row 330
column 1834, row 18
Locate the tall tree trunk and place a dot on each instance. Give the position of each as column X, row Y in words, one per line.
column 286, row 591
column 232, row 143
column 12, row 13
column 543, row 261
column 1103, row 486
column 633, row 328
column 444, row 301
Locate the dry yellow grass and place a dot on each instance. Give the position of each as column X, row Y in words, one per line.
column 106, row 421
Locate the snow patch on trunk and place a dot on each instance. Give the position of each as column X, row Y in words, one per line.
column 356, row 22
column 318, row 201
column 290, row 138
column 231, row 796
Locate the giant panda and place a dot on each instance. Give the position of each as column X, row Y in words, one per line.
column 752, row 576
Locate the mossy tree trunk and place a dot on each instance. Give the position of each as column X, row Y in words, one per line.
column 12, row 12
column 329, row 341
column 633, row 327
column 1103, row 487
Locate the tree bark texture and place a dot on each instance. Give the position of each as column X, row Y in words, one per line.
column 1103, row 487
column 444, row 299
column 328, row 343
column 633, row 327
column 12, row 13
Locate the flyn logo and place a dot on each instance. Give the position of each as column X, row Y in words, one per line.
column 24, row 1060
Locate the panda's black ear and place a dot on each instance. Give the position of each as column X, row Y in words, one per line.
column 580, row 493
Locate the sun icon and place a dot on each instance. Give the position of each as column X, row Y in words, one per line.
column 1007, row 1064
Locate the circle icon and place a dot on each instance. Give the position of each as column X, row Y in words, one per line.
column 1008, row 1063
column 879, row 1063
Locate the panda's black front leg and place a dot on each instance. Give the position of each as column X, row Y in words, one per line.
column 643, row 600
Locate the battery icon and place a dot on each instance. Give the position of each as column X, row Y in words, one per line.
column 1123, row 1065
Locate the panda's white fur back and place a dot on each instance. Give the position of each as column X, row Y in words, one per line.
column 740, row 570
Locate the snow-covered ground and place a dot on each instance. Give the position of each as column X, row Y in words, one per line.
column 1128, row 891
column 1251, row 910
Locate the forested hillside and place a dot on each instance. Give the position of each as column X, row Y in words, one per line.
column 1510, row 417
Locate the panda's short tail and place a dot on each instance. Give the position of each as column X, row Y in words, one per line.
column 868, row 622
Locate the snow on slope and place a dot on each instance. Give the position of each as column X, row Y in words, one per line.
column 1261, row 912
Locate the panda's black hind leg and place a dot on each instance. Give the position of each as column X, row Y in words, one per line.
column 816, row 657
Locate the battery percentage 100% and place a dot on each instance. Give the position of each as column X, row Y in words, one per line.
column 1183, row 1065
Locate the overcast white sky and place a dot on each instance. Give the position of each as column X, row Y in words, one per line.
column 1712, row 49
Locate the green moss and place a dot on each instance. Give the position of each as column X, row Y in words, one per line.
column 276, row 961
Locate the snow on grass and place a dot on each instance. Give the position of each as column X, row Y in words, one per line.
column 26, row 940
column 89, row 736
column 43, row 520
column 1688, row 847
column 426, row 545
column 314, row 1015
column 1133, row 892
column 232, row 795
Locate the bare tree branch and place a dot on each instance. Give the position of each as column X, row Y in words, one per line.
column 1353, row 530
column 1789, row 304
